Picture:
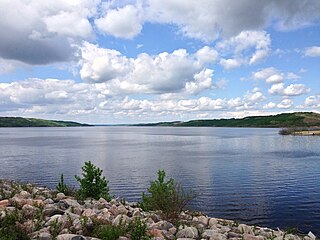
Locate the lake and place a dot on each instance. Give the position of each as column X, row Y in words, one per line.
column 254, row 176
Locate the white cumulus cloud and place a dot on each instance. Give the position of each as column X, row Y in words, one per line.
column 123, row 22
column 312, row 51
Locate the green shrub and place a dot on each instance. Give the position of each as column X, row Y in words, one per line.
column 109, row 232
column 62, row 187
column 11, row 228
column 138, row 230
column 92, row 185
column 167, row 196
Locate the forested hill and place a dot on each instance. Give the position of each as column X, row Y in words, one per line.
column 34, row 122
column 298, row 119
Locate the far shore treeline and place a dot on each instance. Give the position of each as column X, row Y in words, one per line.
column 283, row 120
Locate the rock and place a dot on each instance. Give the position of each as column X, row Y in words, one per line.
column 29, row 210
column 123, row 238
column 234, row 235
column 155, row 233
column 291, row 237
column 163, row 225
column 71, row 202
column 122, row 210
column 4, row 203
column 50, row 210
column 188, row 232
column 204, row 220
column 44, row 236
column 252, row 237
column 48, row 201
column 89, row 212
column 25, row 194
column 53, row 220
column 212, row 234
column 61, row 196
column 38, row 203
column 114, row 210
column 245, row 229
column 213, row 222
column 168, row 235
column 123, row 219
column 70, row 237
column 311, row 235
column 173, row 230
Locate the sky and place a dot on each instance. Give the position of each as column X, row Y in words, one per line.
column 141, row 61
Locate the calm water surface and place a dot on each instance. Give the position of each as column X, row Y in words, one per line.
column 254, row 176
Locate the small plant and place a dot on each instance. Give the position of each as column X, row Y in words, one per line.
column 138, row 230
column 10, row 229
column 62, row 187
column 55, row 228
column 167, row 196
column 109, row 232
column 92, row 185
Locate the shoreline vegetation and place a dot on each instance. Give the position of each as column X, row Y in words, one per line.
column 283, row 120
column 300, row 131
column 34, row 122
column 31, row 212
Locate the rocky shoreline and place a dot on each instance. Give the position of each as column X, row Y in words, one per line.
column 46, row 214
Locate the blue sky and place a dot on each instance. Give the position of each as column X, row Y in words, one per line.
column 158, row 60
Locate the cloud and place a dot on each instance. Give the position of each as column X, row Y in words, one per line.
column 291, row 90
column 42, row 32
column 285, row 103
column 312, row 51
column 312, row 102
column 176, row 72
column 269, row 105
column 208, row 20
column 123, row 22
column 270, row 75
column 248, row 47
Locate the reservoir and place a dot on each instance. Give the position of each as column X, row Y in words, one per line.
column 250, row 175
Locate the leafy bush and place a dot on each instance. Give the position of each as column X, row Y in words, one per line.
column 138, row 230
column 109, row 232
column 92, row 185
column 11, row 228
column 167, row 196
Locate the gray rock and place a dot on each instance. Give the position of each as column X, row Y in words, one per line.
column 29, row 210
column 252, row 237
column 70, row 237
column 61, row 196
column 114, row 210
column 234, row 235
column 54, row 219
column 311, row 235
column 71, row 202
column 50, row 210
column 25, row 194
column 213, row 222
column 245, row 229
column 188, row 232
column 212, row 234
column 123, row 219
column 44, row 236
column 291, row 237
column 163, row 225
column 89, row 212
column 122, row 210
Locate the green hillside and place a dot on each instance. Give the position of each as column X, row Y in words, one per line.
column 34, row 122
column 298, row 119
